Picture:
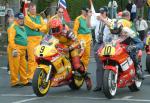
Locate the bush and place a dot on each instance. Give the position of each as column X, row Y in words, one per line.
column 74, row 6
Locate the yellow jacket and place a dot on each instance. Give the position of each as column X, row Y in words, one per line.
column 11, row 36
column 148, row 2
column 33, row 25
column 13, row 39
column 80, row 26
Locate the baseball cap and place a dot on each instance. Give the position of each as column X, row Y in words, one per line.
column 103, row 9
column 19, row 16
column 85, row 9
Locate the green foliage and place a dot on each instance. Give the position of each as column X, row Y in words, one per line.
column 74, row 6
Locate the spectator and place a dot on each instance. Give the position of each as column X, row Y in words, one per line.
column 112, row 6
column 133, row 12
column 101, row 35
column 35, row 28
column 141, row 26
column 10, row 24
column 148, row 4
column 17, row 48
column 140, row 7
column 8, row 14
column 59, row 15
column 82, row 31
column 129, row 6
column 8, row 9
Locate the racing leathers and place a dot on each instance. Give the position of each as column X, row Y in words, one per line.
column 70, row 40
column 134, row 44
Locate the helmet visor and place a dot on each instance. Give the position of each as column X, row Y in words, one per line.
column 55, row 30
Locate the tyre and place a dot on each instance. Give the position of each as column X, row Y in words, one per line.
column 76, row 82
column 109, row 84
column 40, row 87
column 136, row 85
column 148, row 63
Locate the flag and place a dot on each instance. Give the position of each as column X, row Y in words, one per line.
column 92, row 8
column 94, row 14
column 62, row 4
column 25, row 7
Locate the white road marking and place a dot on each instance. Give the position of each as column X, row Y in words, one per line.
column 146, row 76
column 27, row 100
column 126, row 98
column 17, row 95
column 3, row 68
column 117, row 99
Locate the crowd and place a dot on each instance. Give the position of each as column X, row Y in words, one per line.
column 26, row 32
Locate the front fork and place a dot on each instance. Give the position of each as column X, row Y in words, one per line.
column 49, row 72
column 116, row 76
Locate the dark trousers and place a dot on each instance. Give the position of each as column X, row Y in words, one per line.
column 99, row 68
column 141, row 34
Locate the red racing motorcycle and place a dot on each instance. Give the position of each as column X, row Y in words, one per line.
column 119, row 69
column 147, row 49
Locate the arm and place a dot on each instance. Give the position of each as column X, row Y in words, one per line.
column 76, row 26
column 138, row 43
column 28, row 22
column 43, row 28
column 11, row 38
column 70, row 35
column 145, row 25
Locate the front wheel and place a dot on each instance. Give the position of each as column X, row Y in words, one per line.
column 109, row 84
column 148, row 63
column 40, row 87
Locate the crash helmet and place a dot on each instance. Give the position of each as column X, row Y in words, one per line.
column 116, row 27
column 55, row 27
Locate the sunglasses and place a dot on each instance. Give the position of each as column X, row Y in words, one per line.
column 60, row 12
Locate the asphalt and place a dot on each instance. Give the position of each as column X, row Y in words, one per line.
column 65, row 95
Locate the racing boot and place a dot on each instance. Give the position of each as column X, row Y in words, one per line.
column 139, row 72
column 88, row 81
column 138, row 67
column 76, row 65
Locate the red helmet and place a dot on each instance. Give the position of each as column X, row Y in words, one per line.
column 55, row 26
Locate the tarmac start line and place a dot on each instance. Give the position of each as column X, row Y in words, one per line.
column 126, row 98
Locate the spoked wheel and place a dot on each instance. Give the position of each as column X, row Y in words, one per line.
column 148, row 63
column 109, row 83
column 39, row 84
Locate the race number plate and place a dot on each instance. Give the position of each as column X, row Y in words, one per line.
column 148, row 40
column 108, row 50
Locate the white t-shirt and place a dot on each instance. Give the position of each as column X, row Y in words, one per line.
column 141, row 25
column 133, row 9
column 115, row 5
column 96, row 24
column 11, row 10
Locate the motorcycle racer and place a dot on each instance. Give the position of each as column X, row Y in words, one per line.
column 65, row 36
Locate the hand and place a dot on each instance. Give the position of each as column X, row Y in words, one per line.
column 14, row 53
column 89, row 14
column 100, row 17
column 131, row 48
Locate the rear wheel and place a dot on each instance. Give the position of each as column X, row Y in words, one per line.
column 40, row 87
column 148, row 63
column 76, row 83
column 109, row 84
column 136, row 85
